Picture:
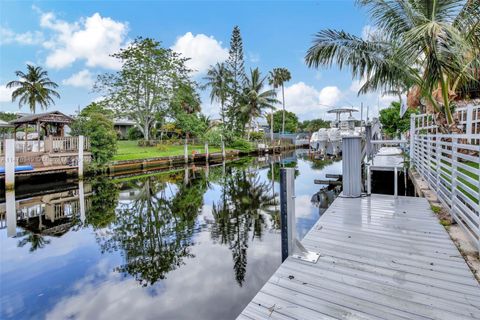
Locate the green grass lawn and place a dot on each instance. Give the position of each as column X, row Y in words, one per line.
column 129, row 150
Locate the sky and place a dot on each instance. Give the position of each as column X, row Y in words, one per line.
column 73, row 41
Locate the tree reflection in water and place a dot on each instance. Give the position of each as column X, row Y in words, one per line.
column 154, row 231
column 245, row 200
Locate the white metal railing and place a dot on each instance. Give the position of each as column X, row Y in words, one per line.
column 451, row 166
column 49, row 144
column 468, row 119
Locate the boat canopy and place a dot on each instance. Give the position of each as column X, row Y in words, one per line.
column 342, row 110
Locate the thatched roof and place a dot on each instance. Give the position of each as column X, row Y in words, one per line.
column 47, row 117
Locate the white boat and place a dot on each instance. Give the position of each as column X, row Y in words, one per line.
column 313, row 140
column 319, row 140
column 335, row 141
column 341, row 128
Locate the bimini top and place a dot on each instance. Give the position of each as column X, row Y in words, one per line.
column 342, row 110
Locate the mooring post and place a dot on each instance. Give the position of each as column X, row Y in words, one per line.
column 81, row 140
column 185, row 151
column 368, row 137
column 351, row 166
column 223, row 149
column 291, row 246
column 287, row 210
column 10, row 164
column 369, row 180
column 395, row 181
column 81, row 201
column 11, row 213
column 206, row 152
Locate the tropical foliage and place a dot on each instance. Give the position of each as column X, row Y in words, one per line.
column 392, row 123
column 278, row 76
column 426, row 48
column 94, row 121
column 150, row 80
column 313, row 125
column 284, row 120
column 255, row 100
column 34, row 88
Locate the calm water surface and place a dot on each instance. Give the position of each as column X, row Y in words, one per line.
column 194, row 243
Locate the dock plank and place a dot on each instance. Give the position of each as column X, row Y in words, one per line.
column 380, row 258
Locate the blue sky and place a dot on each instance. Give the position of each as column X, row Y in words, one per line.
column 72, row 41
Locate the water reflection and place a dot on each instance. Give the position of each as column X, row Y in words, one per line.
column 210, row 225
column 245, row 204
column 154, row 229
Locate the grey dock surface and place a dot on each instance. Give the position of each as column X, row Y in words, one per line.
column 381, row 258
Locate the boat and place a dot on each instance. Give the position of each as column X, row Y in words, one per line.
column 341, row 128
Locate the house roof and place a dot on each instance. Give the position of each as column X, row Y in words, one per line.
column 47, row 117
column 123, row 122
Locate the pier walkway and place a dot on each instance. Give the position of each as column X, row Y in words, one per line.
column 381, row 257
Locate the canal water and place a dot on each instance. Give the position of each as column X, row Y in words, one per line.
column 191, row 243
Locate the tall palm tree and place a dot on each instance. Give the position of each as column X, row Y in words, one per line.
column 278, row 76
column 254, row 99
column 431, row 47
column 218, row 79
column 34, row 88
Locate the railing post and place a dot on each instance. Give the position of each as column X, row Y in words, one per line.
column 351, row 166
column 438, row 154
column 469, row 128
column 10, row 164
column 412, row 138
column 454, row 177
column 80, row 158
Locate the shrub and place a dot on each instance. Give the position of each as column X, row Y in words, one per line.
column 213, row 137
column 93, row 122
column 256, row 136
column 241, row 145
column 134, row 133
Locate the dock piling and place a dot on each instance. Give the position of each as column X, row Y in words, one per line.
column 81, row 140
column 290, row 243
column 10, row 164
column 206, row 152
column 351, row 166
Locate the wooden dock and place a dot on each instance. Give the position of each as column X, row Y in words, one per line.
column 380, row 258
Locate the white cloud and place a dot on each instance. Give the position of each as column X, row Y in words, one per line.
column 329, row 95
column 308, row 102
column 300, row 98
column 5, row 93
column 202, row 50
column 8, row 36
column 83, row 79
column 92, row 39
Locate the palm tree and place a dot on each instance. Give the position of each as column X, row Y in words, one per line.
column 430, row 47
column 278, row 76
column 218, row 79
column 34, row 87
column 254, row 99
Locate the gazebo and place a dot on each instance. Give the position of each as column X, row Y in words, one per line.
column 52, row 123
